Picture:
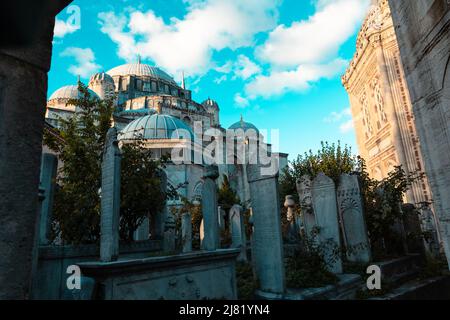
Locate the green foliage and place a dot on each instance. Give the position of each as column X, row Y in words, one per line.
column 77, row 199
column 246, row 283
column 227, row 197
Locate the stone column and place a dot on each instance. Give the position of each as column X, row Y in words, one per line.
column 325, row 209
column 267, row 250
column 23, row 91
column 48, row 182
column 186, row 232
column 305, row 198
column 353, row 224
column 238, row 238
column 110, row 202
column 209, row 207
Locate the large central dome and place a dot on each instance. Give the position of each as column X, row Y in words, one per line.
column 140, row 69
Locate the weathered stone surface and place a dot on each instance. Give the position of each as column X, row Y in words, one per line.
column 142, row 232
column 237, row 228
column 325, row 209
column 186, row 232
column 422, row 29
column 169, row 239
column 158, row 221
column 110, row 202
column 221, row 218
column 209, row 208
column 267, row 242
column 429, row 226
column 305, row 198
column 293, row 230
column 47, row 182
column 191, row 276
column 352, row 219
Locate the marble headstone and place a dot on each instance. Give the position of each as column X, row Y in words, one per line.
column 351, row 213
column 238, row 238
column 325, row 210
column 305, row 197
column 209, row 209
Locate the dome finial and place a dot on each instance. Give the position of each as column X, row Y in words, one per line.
column 183, row 83
column 78, row 79
column 139, row 59
column 242, row 120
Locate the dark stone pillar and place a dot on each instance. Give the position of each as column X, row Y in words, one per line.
column 23, row 93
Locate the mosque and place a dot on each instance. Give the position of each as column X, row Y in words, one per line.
column 150, row 105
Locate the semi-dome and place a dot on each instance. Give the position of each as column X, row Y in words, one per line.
column 157, row 126
column 70, row 92
column 141, row 69
column 101, row 76
column 243, row 125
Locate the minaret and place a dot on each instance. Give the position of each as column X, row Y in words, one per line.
column 183, row 83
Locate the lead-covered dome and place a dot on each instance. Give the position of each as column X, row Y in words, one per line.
column 243, row 125
column 141, row 69
column 157, row 126
column 70, row 92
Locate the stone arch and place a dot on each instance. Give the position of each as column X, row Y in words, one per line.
column 197, row 191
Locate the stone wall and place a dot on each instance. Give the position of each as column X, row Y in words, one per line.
column 423, row 33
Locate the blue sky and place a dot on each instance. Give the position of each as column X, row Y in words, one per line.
column 276, row 62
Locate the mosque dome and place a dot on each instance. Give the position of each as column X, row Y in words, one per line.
column 137, row 112
column 101, row 76
column 243, row 125
column 70, row 92
column 141, row 69
column 157, row 126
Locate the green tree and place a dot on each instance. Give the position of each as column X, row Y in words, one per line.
column 77, row 199
column 227, row 197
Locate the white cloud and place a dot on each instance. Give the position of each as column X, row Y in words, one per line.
column 316, row 39
column 246, row 68
column 85, row 60
column 334, row 116
column 347, row 126
column 241, row 101
column 298, row 80
column 189, row 43
column 221, row 79
column 62, row 28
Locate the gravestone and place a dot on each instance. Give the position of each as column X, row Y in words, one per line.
column 142, row 232
column 293, row 231
column 412, row 227
column 353, row 224
column 209, row 208
column 110, row 199
column 169, row 233
column 202, row 233
column 325, row 210
column 267, row 249
column 186, row 232
column 158, row 221
column 429, row 227
column 221, row 218
column 306, row 207
column 49, row 165
column 238, row 238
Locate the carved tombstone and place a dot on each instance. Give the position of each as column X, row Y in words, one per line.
column 110, row 201
column 305, row 198
column 186, row 232
column 267, row 247
column 238, row 239
column 169, row 233
column 158, row 221
column 325, row 210
column 142, row 232
column 47, row 182
column 351, row 213
column 211, row 238
column 429, row 226
column 293, row 231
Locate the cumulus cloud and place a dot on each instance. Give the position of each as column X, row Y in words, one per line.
column 316, row 39
column 347, row 126
column 189, row 43
column 62, row 28
column 334, row 116
column 85, row 60
column 297, row 80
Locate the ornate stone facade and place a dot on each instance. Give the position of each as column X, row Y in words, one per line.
column 380, row 102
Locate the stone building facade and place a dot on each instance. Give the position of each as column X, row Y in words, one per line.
column 380, row 102
column 423, row 33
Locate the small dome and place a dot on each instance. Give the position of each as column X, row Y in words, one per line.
column 243, row 125
column 210, row 103
column 157, row 126
column 140, row 69
column 101, row 76
column 70, row 92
